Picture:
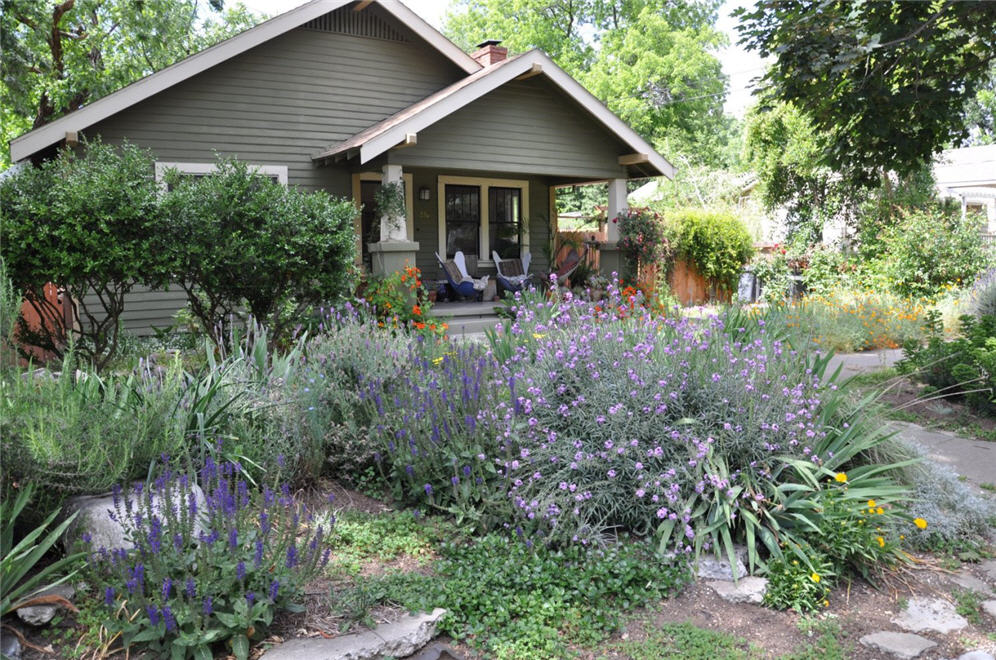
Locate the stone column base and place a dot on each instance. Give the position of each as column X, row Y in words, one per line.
column 392, row 256
column 612, row 260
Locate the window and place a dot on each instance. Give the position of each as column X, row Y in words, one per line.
column 463, row 219
column 505, row 221
column 276, row 172
column 480, row 216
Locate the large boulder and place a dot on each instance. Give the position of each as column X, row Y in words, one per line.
column 98, row 518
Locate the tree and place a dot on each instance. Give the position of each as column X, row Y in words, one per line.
column 85, row 223
column 62, row 54
column 886, row 82
column 650, row 61
column 239, row 241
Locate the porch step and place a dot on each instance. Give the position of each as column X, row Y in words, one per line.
column 466, row 318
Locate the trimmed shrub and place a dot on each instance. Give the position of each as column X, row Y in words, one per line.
column 239, row 241
column 86, row 223
column 717, row 243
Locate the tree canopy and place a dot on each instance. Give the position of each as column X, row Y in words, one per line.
column 62, row 54
column 887, row 82
column 652, row 62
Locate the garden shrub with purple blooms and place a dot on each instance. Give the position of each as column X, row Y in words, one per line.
column 205, row 572
column 438, row 429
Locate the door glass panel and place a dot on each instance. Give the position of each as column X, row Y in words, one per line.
column 505, row 221
column 463, row 219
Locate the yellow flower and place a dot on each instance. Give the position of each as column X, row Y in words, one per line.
column 920, row 522
column 815, row 578
column 871, row 504
column 881, row 541
column 841, row 478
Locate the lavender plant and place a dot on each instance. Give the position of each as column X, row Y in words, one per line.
column 208, row 567
column 438, row 428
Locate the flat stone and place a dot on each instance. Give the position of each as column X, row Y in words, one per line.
column 989, row 568
column 976, row 655
column 930, row 614
column 968, row 581
column 10, row 647
column 399, row 639
column 39, row 615
column 745, row 590
column 99, row 519
column 989, row 607
column 712, row 568
column 901, row 645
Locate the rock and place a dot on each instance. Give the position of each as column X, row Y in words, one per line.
column 989, row 568
column 976, row 655
column 399, row 639
column 901, row 645
column 930, row 614
column 968, row 581
column 97, row 517
column 437, row 651
column 39, row 615
column 745, row 590
column 989, row 607
column 712, row 568
column 10, row 647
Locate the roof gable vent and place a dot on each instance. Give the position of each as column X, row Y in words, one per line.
column 368, row 23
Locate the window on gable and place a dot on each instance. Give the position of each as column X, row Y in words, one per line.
column 277, row 173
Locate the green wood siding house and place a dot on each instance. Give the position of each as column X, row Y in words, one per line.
column 342, row 96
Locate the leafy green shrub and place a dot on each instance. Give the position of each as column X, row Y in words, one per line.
column 717, row 243
column 205, row 571
column 239, row 240
column 519, row 602
column 964, row 366
column 928, row 249
column 87, row 223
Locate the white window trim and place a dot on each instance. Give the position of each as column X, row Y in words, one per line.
column 279, row 171
column 409, row 206
column 485, row 235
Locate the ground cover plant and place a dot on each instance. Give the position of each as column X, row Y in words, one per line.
column 516, row 602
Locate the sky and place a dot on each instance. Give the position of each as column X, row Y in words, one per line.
column 739, row 65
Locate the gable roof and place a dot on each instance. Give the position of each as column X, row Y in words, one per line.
column 388, row 133
column 45, row 136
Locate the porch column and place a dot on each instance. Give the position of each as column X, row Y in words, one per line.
column 611, row 260
column 394, row 251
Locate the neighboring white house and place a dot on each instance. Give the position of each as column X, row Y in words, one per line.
column 969, row 176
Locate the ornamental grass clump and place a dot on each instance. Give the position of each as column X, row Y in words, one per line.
column 209, row 567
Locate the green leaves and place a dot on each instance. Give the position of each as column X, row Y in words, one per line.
column 886, row 82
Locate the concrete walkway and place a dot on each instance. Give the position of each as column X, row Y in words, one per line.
column 853, row 364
